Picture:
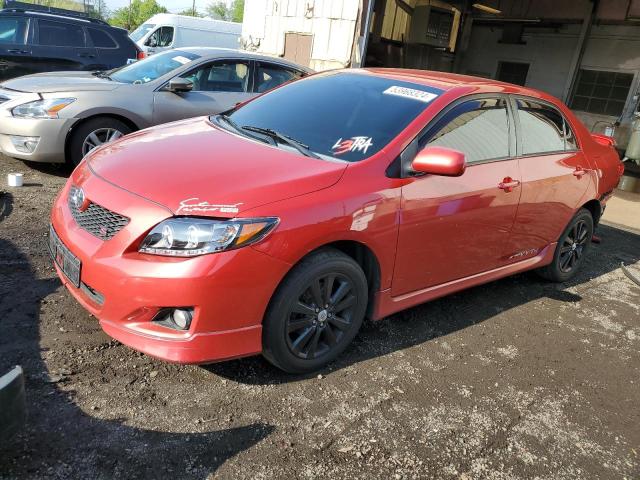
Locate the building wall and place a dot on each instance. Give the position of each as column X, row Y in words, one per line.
column 549, row 53
column 332, row 23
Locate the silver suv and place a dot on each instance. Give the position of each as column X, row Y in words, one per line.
column 56, row 116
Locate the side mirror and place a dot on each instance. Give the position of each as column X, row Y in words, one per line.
column 178, row 85
column 439, row 161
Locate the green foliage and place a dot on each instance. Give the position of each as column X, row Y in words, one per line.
column 220, row 11
column 93, row 8
column 136, row 14
column 190, row 13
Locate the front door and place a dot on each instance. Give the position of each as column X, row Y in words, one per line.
column 555, row 177
column 14, row 50
column 217, row 86
column 454, row 227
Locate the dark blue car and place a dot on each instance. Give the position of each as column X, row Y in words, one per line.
column 37, row 39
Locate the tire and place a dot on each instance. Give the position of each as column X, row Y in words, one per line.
column 300, row 333
column 104, row 128
column 569, row 253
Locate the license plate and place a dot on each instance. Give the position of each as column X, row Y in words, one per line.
column 62, row 256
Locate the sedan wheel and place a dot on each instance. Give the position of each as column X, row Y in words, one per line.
column 321, row 315
column 99, row 137
column 573, row 246
column 315, row 313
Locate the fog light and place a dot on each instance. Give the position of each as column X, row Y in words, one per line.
column 25, row 144
column 182, row 318
column 176, row 318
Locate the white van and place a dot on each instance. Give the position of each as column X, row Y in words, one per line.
column 165, row 31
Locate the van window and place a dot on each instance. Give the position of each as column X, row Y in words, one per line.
column 13, row 30
column 478, row 128
column 141, row 31
column 59, row 34
column 269, row 76
column 162, row 37
column 101, row 39
column 543, row 129
column 220, row 76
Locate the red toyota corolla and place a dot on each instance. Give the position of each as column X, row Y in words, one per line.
column 278, row 227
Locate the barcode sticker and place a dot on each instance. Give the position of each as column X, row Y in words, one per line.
column 419, row 95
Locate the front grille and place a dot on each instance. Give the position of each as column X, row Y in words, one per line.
column 98, row 221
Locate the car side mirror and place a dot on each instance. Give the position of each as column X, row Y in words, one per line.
column 439, row 161
column 180, row 85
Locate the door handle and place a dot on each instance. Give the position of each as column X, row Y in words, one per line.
column 86, row 55
column 579, row 172
column 17, row 50
column 508, row 184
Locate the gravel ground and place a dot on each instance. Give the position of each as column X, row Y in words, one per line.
column 516, row 379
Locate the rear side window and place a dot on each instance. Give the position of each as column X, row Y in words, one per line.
column 13, row 30
column 101, row 39
column 269, row 76
column 543, row 129
column 478, row 128
column 59, row 34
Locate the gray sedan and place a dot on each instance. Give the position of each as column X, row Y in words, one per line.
column 53, row 116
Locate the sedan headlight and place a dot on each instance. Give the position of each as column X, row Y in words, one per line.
column 46, row 108
column 188, row 237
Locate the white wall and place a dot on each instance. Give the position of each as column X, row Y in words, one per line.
column 547, row 52
column 331, row 22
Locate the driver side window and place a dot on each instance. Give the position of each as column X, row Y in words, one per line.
column 162, row 37
column 220, row 76
column 478, row 128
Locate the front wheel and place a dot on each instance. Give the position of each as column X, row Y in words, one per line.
column 94, row 133
column 316, row 312
column 571, row 249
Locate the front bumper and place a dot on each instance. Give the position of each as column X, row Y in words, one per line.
column 51, row 135
column 229, row 291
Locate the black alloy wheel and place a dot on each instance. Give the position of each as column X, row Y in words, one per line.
column 321, row 315
column 316, row 312
column 573, row 246
column 570, row 251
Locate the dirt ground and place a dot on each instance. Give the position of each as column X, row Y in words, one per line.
column 516, row 379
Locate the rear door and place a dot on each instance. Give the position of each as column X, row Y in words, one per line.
column 14, row 49
column 61, row 45
column 108, row 53
column 454, row 227
column 555, row 176
column 217, row 86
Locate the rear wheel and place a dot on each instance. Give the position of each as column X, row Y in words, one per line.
column 316, row 312
column 94, row 133
column 571, row 249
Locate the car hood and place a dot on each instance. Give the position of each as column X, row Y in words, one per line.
column 194, row 168
column 60, row 82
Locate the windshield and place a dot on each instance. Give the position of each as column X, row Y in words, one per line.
column 153, row 67
column 347, row 116
column 141, row 31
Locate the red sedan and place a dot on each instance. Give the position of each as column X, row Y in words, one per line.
column 278, row 227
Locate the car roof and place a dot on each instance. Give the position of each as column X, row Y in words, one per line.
column 70, row 17
column 217, row 52
column 453, row 81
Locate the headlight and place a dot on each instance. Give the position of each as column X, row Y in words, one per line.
column 188, row 237
column 46, row 108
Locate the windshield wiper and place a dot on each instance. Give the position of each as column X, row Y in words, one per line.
column 277, row 136
column 101, row 74
column 240, row 129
